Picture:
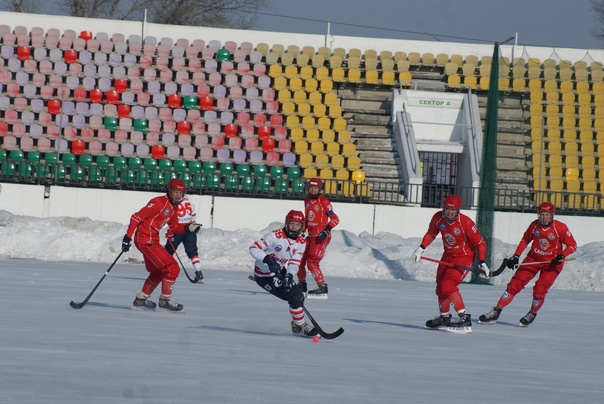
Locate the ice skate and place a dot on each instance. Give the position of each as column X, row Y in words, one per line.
column 303, row 287
column 463, row 325
column 319, row 293
column 491, row 317
column 167, row 304
column 304, row 330
column 142, row 303
column 527, row 319
column 438, row 322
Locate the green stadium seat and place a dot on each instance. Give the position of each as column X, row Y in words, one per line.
column 263, row 181
column 140, row 125
column 209, row 167
column 190, row 102
column 135, row 163
column 223, row 55
column 7, row 168
column 105, row 172
column 279, row 182
column 226, row 168
column 179, row 165
column 195, row 166
column 110, row 123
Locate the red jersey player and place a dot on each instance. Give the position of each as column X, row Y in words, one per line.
column 550, row 243
column 461, row 241
column 320, row 220
column 144, row 227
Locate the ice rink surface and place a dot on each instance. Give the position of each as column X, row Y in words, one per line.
column 233, row 343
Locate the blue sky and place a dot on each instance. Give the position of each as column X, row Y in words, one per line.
column 552, row 23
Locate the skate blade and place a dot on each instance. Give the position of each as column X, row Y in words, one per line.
column 142, row 308
column 487, row 322
column 523, row 325
column 457, row 330
column 322, row 296
column 170, row 311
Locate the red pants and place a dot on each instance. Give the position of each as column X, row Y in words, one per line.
column 447, row 282
column 524, row 274
column 315, row 250
column 162, row 267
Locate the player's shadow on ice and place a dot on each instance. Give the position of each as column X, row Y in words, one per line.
column 239, row 331
column 357, row 321
column 421, row 327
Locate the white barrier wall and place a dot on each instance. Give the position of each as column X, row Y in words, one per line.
column 229, row 213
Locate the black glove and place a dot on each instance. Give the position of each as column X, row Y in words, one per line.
column 512, row 261
column 323, row 235
column 289, row 282
column 273, row 265
column 126, row 243
column 193, row 227
column 557, row 260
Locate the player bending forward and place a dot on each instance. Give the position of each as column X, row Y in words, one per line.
column 278, row 256
column 551, row 242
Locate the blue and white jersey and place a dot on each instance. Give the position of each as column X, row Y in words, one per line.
column 286, row 252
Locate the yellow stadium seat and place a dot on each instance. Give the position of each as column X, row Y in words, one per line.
column 518, row 85
column 288, row 108
column 371, row 77
column 388, row 65
column 291, row 71
column 341, row 173
column 454, row 81
column 310, row 172
column 301, row 146
column 353, row 62
column 315, row 98
column 275, row 71
column 324, row 123
column 312, row 135
column 335, row 111
column 279, row 83
column 338, row 74
column 319, row 110
column 343, row 137
column 305, row 160
column 471, row 81
column 303, row 108
column 326, row 85
column 339, row 124
column 335, row 61
column 292, row 121
column 295, row 83
column 326, row 174
column 354, row 75
column 330, row 99
column 332, row 148
column 322, row 161
column 484, row 83
column 284, row 95
column 311, row 85
column 353, row 162
column 296, row 134
column 306, row 72
column 337, row 162
column 317, row 147
column 321, row 73
column 404, row 79
column 328, row 135
column 308, row 122
column 348, row 149
column 299, row 96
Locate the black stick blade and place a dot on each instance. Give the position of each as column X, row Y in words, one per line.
column 75, row 305
column 332, row 335
column 502, row 268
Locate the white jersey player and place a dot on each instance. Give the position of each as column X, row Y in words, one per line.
column 278, row 255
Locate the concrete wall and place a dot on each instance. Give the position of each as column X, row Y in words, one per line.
column 240, row 213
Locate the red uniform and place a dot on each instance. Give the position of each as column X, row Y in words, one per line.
column 319, row 214
column 145, row 225
column 461, row 241
column 547, row 242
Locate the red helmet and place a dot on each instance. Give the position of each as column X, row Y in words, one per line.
column 547, row 207
column 294, row 216
column 315, row 182
column 452, row 201
column 176, row 185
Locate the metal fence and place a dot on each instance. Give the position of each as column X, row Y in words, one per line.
column 282, row 187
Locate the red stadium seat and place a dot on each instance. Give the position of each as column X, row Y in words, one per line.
column 230, row 130
column 54, row 106
column 78, row 146
column 86, row 35
column 120, row 85
column 264, row 132
column 96, row 95
column 123, row 111
column 183, row 127
column 157, row 152
column 206, row 103
column 112, row 96
column 23, row 52
column 70, row 56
